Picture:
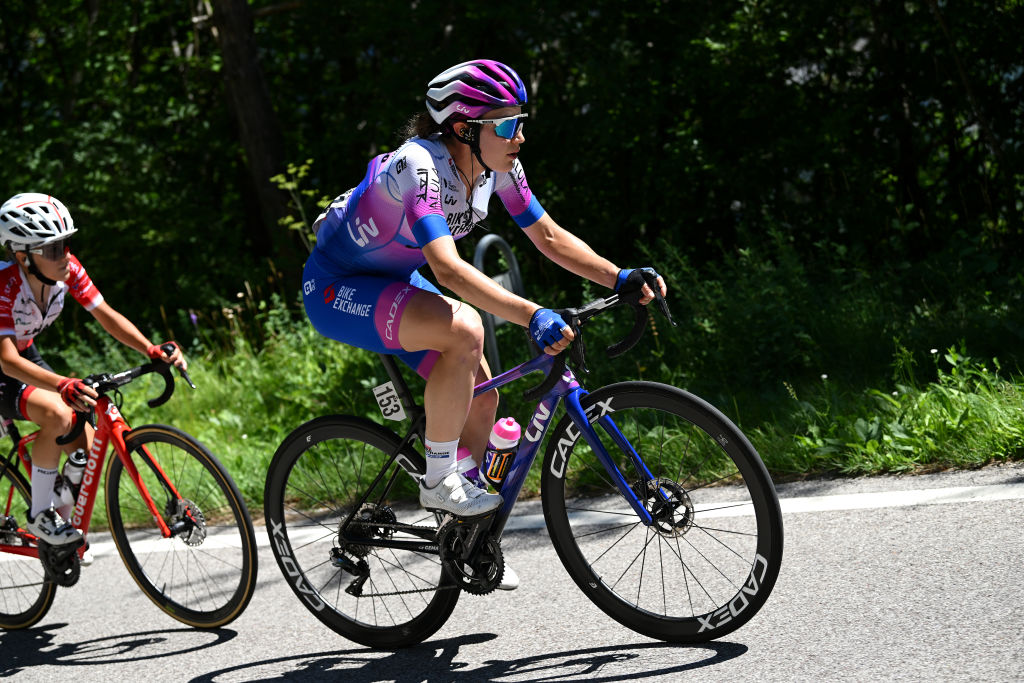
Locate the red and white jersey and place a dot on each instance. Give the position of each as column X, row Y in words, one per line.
column 22, row 317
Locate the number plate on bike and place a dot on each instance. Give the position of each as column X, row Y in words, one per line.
column 389, row 403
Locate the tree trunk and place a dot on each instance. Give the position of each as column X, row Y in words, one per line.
column 258, row 127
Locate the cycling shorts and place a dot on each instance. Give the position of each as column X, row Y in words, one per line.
column 14, row 393
column 365, row 311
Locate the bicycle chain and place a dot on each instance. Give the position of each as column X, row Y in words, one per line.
column 406, row 527
column 408, row 592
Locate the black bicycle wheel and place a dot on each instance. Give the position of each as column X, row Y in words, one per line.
column 710, row 558
column 25, row 594
column 205, row 573
column 379, row 596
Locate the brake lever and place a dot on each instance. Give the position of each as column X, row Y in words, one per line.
column 663, row 307
column 184, row 376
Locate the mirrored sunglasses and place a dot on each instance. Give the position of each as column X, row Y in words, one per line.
column 506, row 127
column 54, row 251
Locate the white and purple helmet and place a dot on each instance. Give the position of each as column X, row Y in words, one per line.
column 30, row 220
column 471, row 89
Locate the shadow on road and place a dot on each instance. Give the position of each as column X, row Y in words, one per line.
column 440, row 661
column 36, row 646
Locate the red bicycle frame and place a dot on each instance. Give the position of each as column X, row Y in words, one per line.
column 110, row 429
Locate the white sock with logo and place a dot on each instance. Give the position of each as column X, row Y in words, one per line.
column 441, row 461
column 42, row 489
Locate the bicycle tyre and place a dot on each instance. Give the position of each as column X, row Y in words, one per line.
column 203, row 575
column 713, row 557
column 25, row 594
column 317, row 476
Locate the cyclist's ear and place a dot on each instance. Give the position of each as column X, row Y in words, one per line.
column 466, row 134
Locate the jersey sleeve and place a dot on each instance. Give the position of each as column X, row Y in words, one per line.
column 515, row 194
column 420, row 188
column 10, row 280
column 81, row 286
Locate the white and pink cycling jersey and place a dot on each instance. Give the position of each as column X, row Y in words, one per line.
column 408, row 198
column 22, row 317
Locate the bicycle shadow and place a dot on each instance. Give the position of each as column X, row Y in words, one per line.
column 436, row 661
column 38, row 645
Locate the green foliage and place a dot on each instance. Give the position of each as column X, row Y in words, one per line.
column 301, row 200
column 967, row 417
column 827, row 188
column 883, row 129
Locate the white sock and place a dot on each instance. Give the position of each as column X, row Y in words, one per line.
column 42, row 489
column 441, row 461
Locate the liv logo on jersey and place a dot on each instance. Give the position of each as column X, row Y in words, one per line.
column 363, row 232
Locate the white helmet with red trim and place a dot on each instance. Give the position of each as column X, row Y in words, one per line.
column 29, row 220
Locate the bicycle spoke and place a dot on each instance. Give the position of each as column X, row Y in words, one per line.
column 706, row 525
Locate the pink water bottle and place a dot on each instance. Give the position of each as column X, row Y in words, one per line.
column 501, row 450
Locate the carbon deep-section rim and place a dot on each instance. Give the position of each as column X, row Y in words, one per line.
column 710, row 558
column 382, row 597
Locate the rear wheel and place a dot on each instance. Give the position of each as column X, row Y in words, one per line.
column 709, row 559
column 25, row 594
column 205, row 573
column 378, row 580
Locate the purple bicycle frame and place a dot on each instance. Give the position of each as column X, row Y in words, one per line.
column 533, row 435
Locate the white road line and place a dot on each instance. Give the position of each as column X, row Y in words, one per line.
column 794, row 505
column 849, row 501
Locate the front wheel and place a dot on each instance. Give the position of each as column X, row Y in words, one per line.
column 709, row 559
column 205, row 573
column 25, row 594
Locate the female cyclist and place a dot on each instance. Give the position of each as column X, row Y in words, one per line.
column 41, row 269
column 361, row 284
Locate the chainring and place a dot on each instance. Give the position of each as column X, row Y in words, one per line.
column 60, row 563
column 372, row 521
column 672, row 516
column 480, row 574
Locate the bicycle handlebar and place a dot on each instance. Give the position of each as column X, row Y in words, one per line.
column 575, row 318
column 106, row 382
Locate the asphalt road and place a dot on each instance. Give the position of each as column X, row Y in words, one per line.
column 896, row 578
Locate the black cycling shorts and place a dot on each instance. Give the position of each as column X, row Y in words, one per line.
column 14, row 391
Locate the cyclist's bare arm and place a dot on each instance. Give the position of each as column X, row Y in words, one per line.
column 13, row 365
column 570, row 252
column 125, row 331
column 473, row 286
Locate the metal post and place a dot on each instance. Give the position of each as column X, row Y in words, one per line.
column 511, row 280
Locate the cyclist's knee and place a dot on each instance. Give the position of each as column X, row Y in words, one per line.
column 467, row 334
column 50, row 413
column 487, row 403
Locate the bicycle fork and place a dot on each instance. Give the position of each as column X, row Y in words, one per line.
column 583, row 425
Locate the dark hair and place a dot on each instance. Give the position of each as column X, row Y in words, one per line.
column 422, row 125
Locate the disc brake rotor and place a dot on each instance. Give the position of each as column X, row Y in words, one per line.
column 670, row 506
column 195, row 523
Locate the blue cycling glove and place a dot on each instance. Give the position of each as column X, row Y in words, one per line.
column 637, row 281
column 546, row 327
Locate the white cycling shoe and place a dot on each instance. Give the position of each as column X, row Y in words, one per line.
column 457, row 495
column 50, row 527
column 509, row 580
